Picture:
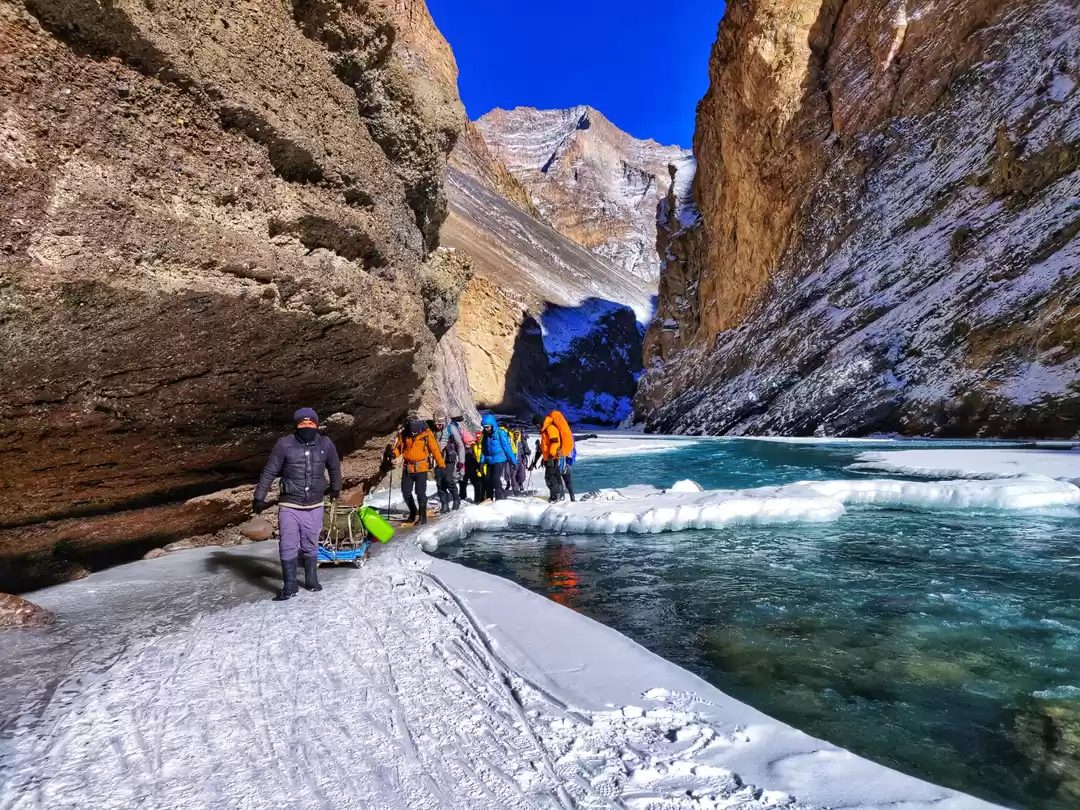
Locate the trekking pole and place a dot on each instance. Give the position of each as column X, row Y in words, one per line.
column 390, row 493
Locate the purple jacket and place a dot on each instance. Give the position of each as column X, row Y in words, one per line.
column 301, row 469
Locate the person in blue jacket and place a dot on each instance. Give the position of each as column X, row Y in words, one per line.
column 496, row 451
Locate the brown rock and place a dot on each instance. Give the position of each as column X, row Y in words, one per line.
column 154, row 553
column 16, row 612
column 227, row 220
column 888, row 237
column 258, row 528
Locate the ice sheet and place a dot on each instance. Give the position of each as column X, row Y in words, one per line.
column 974, row 463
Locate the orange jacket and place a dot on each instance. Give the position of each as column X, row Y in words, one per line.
column 418, row 451
column 556, row 438
column 550, row 440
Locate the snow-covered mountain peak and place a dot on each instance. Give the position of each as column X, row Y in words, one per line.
column 592, row 181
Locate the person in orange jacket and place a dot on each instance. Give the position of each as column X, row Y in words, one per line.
column 416, row 444
column 556, row 447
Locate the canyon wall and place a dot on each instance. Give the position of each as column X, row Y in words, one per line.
column 544, row 323
column 213, row 213
column 886, row 226
column 592, row 182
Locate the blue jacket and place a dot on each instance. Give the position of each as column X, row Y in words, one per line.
column 496, row 448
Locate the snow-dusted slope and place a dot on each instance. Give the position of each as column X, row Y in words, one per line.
column 890, row 237
column 544, row 322
column 593, row 182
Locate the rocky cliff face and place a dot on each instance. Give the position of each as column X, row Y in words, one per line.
column 889, row 225
column 213, row 213
column 591, row 181
column 544, row 322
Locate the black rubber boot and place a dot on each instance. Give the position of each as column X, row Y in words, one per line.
column 288, row 576
column 311, row 574
column 444, row 502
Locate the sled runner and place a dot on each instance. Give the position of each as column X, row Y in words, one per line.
column 348, row 532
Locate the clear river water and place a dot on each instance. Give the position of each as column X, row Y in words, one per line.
column 945, row 644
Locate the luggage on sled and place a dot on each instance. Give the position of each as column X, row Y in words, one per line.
column 348, row 532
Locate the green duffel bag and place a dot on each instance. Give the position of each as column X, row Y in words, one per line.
column 375, row 524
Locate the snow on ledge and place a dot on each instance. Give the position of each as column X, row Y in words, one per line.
column 646, row 510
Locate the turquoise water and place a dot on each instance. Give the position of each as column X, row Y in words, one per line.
column 944, row 644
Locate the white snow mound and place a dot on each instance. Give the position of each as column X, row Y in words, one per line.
column 645, row 510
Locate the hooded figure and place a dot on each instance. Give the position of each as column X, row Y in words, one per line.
column 301, row 460
column 497, row 451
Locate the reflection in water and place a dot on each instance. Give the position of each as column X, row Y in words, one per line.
column 562, row 582
column 945, row 644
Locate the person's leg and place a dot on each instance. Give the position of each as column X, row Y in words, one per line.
column 568, row 482
column 463, row 488
column 421, row 495
column 442, row 487
column 310, row 527
column 406, row 493
column 553, row 479
column 454, row 495
column 519, row 478
column 496, row 471
column 288, row 551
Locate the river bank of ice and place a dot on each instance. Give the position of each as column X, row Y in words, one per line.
column 417, row 683
column 412, row 683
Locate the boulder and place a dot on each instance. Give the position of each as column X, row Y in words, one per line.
column 258, row 528
column 16, row 612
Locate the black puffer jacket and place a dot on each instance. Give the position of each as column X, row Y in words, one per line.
column 301, row 466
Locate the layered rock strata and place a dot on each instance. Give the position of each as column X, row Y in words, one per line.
column 889, row 225
column 544, row 322
column 213, row 213
column 593, row 183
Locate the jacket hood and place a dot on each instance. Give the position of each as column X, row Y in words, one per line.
column 490, row 420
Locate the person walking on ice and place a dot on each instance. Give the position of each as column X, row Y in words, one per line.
column 301, row 460
column 448, row 437
column 556, row 449
column 417, row 445
column 497, row 451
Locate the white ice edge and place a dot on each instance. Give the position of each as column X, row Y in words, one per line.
column 428, row 643
column 975, row 463
column 645, row 510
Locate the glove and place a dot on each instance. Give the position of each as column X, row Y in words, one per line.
column 333, row 494
column 258, row 506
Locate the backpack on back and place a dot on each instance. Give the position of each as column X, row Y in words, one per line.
column 566, row 436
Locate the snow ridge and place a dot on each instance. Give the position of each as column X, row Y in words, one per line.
column 646, row 510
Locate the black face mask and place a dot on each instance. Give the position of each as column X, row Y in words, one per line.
column 307, row 434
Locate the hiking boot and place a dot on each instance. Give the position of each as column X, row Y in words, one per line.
column 311, row 574
column 288, row 576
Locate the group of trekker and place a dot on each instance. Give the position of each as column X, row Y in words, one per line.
column 495, row 460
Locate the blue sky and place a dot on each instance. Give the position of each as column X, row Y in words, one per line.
column 642, row 64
